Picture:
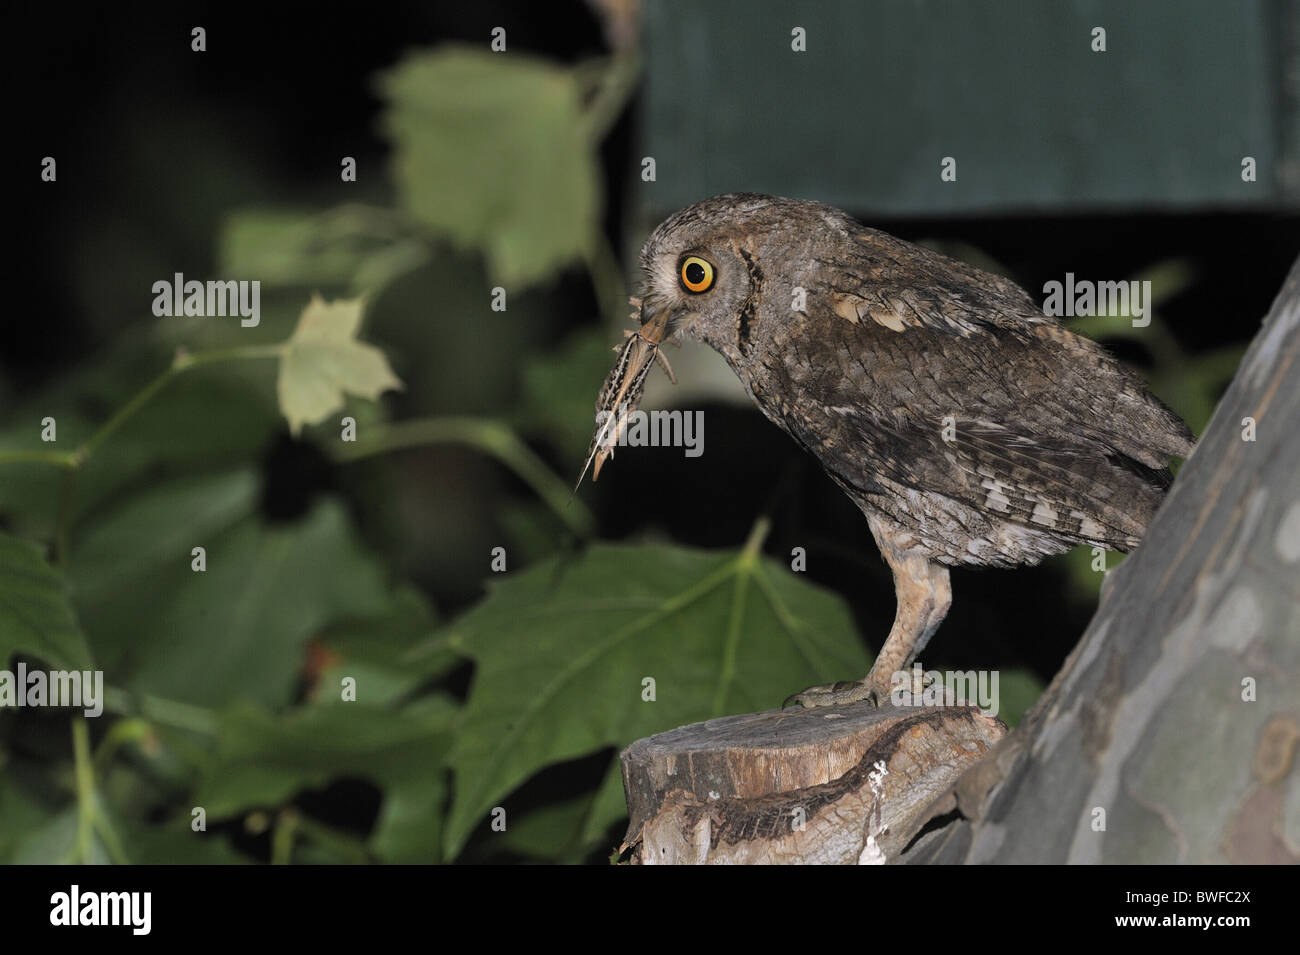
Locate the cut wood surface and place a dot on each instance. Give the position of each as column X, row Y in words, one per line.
column 838, row 785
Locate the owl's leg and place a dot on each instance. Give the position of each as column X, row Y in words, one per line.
column 924, row 595
column 942, row 600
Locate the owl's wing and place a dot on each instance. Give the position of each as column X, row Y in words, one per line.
column 1073, row 489
column 942, row 332
column 1076, row 489
column 1033, row 428
column 899, row 284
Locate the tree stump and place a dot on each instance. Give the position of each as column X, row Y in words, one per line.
column 842, row 786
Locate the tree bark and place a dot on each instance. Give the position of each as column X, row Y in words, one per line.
column 1170, row 734
column 796, row 786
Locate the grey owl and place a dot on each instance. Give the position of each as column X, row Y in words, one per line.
column 967, row 426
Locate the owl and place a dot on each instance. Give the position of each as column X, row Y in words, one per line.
column 967, row 426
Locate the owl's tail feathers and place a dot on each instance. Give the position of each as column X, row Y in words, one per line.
column 1163, row 432
column 1080, row 491
column 1138, row 492
column 1142, row 427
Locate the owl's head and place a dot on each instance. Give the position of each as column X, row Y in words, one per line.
column 703, row 266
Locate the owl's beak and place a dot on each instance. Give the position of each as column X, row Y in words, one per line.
column 654, row 327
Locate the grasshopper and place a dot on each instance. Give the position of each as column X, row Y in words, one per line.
column 621, row 393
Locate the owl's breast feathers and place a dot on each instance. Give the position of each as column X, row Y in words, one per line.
column 939, row 396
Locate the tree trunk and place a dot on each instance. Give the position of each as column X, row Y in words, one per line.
column 1170, row 734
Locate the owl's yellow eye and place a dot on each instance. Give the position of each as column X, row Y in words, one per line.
column 697, row 274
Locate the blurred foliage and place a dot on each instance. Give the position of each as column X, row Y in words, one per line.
column 230, row 689
column 518, row 150
column 298, row 659
column 36, row 618
column 557, row 395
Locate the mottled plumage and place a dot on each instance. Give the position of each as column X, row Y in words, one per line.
column 967, row 426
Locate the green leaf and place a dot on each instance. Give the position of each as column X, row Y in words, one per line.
column 566, row 831
column 608, row 805
column 284, row 247
column 548, row 833
column 493, row 151
column 175, row 843
column 377, row 652
column 562, row 649
column 353, row 245
column 235, row 630
column 24, row 810
column 409, row 827
column 56, row 843
column 214, row 417
column 36, row 616
column 323, row 360
column 263, row 760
